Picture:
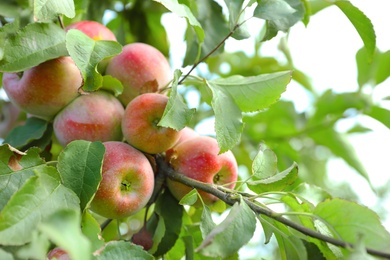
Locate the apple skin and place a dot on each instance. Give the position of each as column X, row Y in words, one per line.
column 185, row 134
column 139, row 124
column 143, row 238
column 141, row 68
column 93, row 29
column 58, row 253
column 93, row 117
column 45, row 89
column 127, row 183
column 198, row 158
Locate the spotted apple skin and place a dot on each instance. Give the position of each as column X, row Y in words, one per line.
column 141, row 68
column 198, row 158
column 93, row 117
column 127, row 182
column 45, row 89
column 140, row 124
column 93, row 29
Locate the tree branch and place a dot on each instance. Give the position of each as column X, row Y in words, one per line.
column 230, row 199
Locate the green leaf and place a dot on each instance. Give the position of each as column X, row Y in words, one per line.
column 47, row 10
column 339, row 146
column 87, row 53
column 297, row 205
column 183, row 10
column 33, row 129
column 32, row 45
column 190, row 198
column 351, row 220
column 228, row 119
column 361, row 23
column 4, row 255
column 277, row 182
column 91, row 229
column 11, row 179
column 265, row 164
column 112, row 85
column 290, row 246
column 207, row 224
column 37, row 249
column 176, row 114
column 379, row 113
column 123, row 250
column 63, row 228
column 80, row 166
column 237, row 16
column 234, row 231
column 232, row 95
column 38, row 198
column 171, row 213
column 279, row 14
column 256, row 92
column 382, row 70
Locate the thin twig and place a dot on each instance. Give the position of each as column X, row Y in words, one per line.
column 229, row 199
column 210, row 53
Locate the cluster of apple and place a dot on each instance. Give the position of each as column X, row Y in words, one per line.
column 127, row 125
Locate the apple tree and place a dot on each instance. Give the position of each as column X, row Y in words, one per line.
column 102, row 157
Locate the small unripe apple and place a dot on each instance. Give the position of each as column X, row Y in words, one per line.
column 57, row 253
column 143, row 238
column 127, row 182
column 93, row 117
column 139, row 124
column 93, row 29
column 44, row 90
column 141, row 68
column 198, row 158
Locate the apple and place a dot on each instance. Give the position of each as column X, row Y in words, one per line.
column 198, row 158
column 141, row 68
column 9, row 118
column 95, row 116
column 45, row 89
column 127, row 182
column 58, row 253
column 139, row 124
column 185, row 134
column 143, row 238
column 93, row 29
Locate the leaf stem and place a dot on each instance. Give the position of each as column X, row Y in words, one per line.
column 230, row 199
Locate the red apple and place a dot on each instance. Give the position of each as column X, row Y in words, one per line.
column 93, row 117
column 143, row 238
column 9, row 118
column 58, row 253
column 45, row 89
column 139, row 124
column 185, row 134
column 93, row 29
column 198, row 158
column 127, row 184
column 141, row 68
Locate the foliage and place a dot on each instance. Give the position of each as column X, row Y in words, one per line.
column 44, row 199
